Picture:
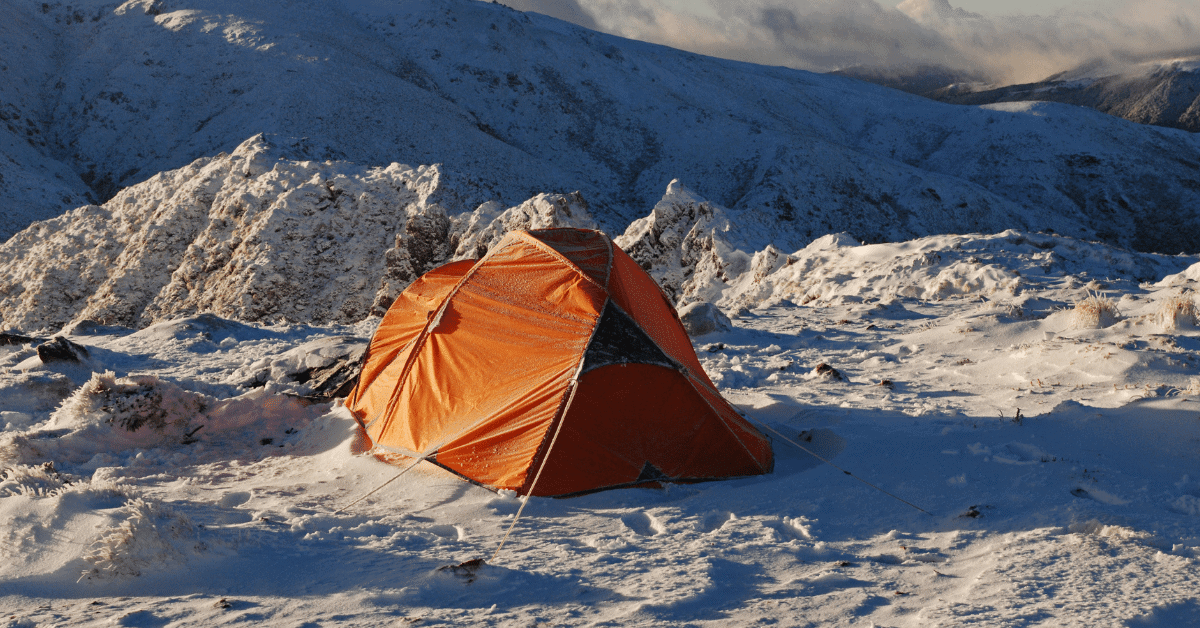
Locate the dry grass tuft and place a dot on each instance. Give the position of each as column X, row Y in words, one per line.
column 1178, row 312
column 1095, row 312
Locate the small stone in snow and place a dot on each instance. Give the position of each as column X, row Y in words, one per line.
column 828, row 372
column 15, row 339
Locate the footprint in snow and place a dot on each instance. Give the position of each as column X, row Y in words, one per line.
column 642, row 524
column 448, row 532
column 234, row 499
column 714, row 521
column 791, row 529
column 234, row 516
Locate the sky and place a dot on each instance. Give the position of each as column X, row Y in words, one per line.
column 997, row 42
column 987, row 7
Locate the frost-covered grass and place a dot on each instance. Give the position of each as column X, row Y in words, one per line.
column 1096, row 311
column 141, row 403
column 1178, row 311
column 152, row 536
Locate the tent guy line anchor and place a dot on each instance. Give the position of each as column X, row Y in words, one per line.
column 553, row 439
column 380, row 487
column 810, row 452
column 418, row 458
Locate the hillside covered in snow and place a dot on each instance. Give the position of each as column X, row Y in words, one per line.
column 1163, row 92
column 99, row 97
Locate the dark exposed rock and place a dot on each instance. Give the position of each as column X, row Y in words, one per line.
column 334, row 380
column 61, row 350
column 9, row 340
column 828, row 372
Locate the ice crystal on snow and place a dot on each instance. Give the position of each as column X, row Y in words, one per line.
column 152, row 535
column 132, row 403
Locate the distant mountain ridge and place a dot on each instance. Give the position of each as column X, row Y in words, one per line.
column 1162, row 92
column 514, row 105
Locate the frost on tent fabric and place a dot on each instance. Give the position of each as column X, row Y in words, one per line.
column 553, row 366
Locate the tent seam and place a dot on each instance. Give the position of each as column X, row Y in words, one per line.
column 561, row 415
column 609, row 268
column 550, row 250
column 694, row 380
column 419, row 341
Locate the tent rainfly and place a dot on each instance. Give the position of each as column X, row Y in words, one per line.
column 553, row 366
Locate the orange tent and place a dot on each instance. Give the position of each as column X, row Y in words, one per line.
column 552, row 366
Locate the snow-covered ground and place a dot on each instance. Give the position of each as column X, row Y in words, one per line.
column 1034, row 394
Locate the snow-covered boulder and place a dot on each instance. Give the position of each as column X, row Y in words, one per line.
column 1189, row 277
column 701, row 318
column 683, row 244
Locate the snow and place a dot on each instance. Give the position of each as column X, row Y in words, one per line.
column 907, row 290
column 1058, row 464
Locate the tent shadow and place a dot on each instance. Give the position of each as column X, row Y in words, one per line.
column 272, row 563
column 955, row 472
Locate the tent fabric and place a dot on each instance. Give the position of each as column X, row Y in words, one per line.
column 555, row 352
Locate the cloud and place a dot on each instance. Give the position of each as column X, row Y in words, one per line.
column 566, row 10
column 825, row 35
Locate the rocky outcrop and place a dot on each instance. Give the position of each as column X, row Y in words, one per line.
column 685, row 245
column 254, row 235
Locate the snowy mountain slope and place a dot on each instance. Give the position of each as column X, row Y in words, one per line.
column 1163, row 92
column 1054, row 455
column 522, row 104
column 33, row 184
